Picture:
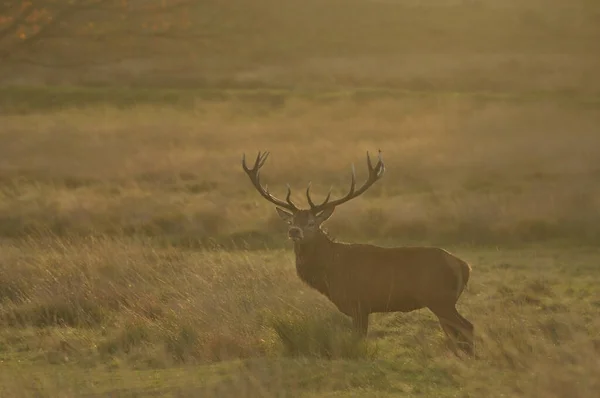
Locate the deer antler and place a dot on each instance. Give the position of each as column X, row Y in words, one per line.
column 375, row 173
column 254, row 173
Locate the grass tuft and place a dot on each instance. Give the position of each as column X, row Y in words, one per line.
column 328, row 338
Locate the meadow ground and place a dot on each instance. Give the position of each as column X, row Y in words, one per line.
column 137, row 260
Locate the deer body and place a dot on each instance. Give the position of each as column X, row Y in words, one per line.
column 361, row 279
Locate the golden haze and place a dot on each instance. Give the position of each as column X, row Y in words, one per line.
column 136, row 259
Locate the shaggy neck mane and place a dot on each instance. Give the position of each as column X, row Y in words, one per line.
column 312, row 259
column 314, row 247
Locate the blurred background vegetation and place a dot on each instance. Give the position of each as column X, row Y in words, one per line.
column 436, row 45
column 122, row 125
column 487, row 113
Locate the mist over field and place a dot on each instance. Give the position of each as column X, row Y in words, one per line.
column 137, row 259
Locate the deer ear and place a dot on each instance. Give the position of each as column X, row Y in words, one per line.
column 284, row 215
column 325, row 214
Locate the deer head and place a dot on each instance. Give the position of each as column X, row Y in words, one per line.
column 304, row 224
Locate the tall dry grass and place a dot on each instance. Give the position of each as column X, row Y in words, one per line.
column 93, row 316
column 98, row 294
column 458, row 170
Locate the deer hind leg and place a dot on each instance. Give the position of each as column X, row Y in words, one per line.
column 453, row 335
column 456, row 327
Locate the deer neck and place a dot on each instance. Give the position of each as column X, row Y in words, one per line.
column 312, row 260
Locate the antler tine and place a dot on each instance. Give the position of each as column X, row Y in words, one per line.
column 311, row 203
column 254, row 175
column 262, row 159
column 375, row 173
column 288, row 199
column 379, row 167
column 353, row 181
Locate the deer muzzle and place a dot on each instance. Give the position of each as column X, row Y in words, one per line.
column 295, row 233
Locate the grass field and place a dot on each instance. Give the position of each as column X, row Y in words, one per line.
column 137, row 260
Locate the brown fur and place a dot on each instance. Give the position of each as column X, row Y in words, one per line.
column 363, row 279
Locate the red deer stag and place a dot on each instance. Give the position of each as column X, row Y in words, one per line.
column 361, row 279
